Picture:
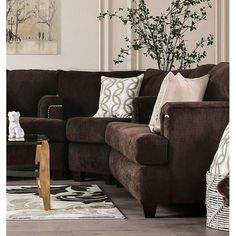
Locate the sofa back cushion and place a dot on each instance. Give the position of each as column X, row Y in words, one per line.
column 80, row 90
column 176, row 88
column 117, row 95
column 218, row 86
column 26, row 87
column 153, row 78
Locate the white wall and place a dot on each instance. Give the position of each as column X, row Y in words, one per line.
column 87, row 44
column 78, row 40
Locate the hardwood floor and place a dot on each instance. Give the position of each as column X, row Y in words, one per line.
column 168, row 221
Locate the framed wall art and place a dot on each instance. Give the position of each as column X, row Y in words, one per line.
column 32, row 26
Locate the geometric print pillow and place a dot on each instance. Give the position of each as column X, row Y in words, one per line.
column 116, row 96
column 220, row 164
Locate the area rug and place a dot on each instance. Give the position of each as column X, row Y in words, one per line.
column 67, row 202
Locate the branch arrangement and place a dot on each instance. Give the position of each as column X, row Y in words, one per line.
column 163, row 37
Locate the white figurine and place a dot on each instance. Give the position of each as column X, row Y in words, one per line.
column 15, row 130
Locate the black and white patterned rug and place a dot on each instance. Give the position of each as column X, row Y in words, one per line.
column 67, row 202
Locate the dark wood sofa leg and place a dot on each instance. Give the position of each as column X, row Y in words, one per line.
column 118, row 184
column 149, row 210
column 109, row 179
column 60, row 175
column 78, row 176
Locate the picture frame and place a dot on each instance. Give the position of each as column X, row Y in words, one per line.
column 32, row 26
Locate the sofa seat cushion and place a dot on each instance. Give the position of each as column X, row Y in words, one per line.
column 137, row 143
column 54, row 129
column 88, row 129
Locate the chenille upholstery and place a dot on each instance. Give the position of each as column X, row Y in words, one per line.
column 168, row 167
column 171, row 169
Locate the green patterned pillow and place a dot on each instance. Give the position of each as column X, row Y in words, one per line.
column 116, row 96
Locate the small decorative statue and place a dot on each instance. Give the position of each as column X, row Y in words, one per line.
column 15, row 130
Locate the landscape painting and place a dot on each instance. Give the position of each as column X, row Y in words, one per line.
column 31, row 26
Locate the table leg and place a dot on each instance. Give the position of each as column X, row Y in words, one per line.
column 44, row 175
column 37, row 160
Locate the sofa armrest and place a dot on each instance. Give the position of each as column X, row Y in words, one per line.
column 143, row 107
column 194, row 127
column 194, row 118
column 187, row 116
column 193, row 130
column 50, row 106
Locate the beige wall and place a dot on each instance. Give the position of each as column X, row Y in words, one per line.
column 87, row 44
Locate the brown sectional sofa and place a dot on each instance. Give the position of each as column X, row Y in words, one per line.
column 155, row 168
column 170, row 168
column 27, row 92
column 60, row 104
column 80, row 92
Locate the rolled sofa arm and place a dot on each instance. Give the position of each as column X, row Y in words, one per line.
column 193, row 131
column 194, row 118
column 195, row 126
column 143, row 107
column 50, row 106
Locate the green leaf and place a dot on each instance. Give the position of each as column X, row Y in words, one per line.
column 163, row 36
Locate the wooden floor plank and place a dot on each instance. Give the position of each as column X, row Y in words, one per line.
column 35, row 233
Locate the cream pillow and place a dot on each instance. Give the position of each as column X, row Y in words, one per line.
column 176, row 88
column 116, row 96
column 220, row 164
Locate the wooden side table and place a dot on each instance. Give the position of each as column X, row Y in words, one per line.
column 41, row 169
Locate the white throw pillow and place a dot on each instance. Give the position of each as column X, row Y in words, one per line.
column 176, row 88
column 220, row 164
column 116, row 96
